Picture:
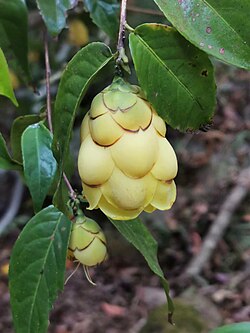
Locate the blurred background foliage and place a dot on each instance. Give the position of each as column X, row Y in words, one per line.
column 209, row 167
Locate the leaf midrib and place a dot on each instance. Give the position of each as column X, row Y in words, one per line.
column 42, row 275
column 36, row 147
column 226, row 23
column 212, row 9
column 38, row 160
column 170, row 71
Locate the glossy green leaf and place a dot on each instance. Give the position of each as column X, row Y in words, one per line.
column 233, row 328
column 18, row 126
column 61, row 197
column 37, row 268
column 139, row 236
column 105, row 14
column 5, row 82
column 77, row 76
column 14, row 31
column 220, row 28
column 54, row 13
column 6, row 162
column 177, row 78
column 38, row 162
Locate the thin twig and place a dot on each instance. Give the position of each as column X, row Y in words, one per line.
column 49, row 110
column 121, row 35
column 72, row 193
column 12, row 209
column 48, row 72
column 232, row 201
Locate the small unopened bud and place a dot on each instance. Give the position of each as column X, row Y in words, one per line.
column 87, row 242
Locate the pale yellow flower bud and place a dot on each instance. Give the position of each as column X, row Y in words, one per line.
column 87, row 242
column 78, row 33
column 125, row 162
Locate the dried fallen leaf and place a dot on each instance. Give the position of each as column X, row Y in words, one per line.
column 113, row 310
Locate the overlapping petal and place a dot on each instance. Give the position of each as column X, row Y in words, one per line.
column 104, row 130
column 95, row 163
column 165, row 167
column 98, row 107
column 124, row 192
column 165, row 195
column 116, row 100
column 84, row 132
column 137, row 117
column 117, row 213
column 159, row 124
column 93, row 255
column 136, row 153
column 93, row 194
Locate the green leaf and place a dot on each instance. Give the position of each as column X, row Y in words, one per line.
column 38, row 162
column 14, row 31
column 37, row 268
column 177, row 78
column 61, row 198
column 104, row 14
column 76, row 78
column 220, row 28
column 18, row 126
column 234, row 328
column 54, row 13
column 6, row 162
column 139, row 236
column 5, row 82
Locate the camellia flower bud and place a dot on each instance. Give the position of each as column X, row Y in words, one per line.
column 125, row 162
column 87, row 242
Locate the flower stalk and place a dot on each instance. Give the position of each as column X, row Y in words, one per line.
column 122, row 59
column 121, row 35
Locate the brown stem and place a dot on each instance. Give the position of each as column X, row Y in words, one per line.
column 121, row 35
column 48, row 105
column 72, row 193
